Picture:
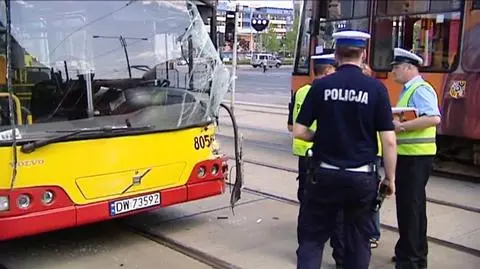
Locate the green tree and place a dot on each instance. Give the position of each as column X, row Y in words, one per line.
column 291, row 36
column 270, row 41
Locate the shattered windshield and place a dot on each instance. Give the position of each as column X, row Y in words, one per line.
column 87, row 64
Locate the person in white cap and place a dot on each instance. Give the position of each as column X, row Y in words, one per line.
column 349, row 108
column 323, row 65
column 416, row 149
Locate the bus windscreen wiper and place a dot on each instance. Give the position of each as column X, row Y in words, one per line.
column 32, row 146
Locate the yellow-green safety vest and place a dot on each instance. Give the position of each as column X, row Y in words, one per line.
column 379, row 143
column 418, row 142
column 300, row 147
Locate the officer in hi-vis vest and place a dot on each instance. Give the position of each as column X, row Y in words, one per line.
column 416, row 149
column 323, row 65
column 374, row 239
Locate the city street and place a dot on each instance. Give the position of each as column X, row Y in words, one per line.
column 271, row 87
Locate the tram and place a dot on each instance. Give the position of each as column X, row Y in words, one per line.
column 444, row 33
column 97, row 118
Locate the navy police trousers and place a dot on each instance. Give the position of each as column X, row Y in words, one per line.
column 332, row 192
column 336, row 239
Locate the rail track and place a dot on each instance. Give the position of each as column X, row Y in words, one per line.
column 193, row 253
column 218, row 263
column 442, row 169
column 458, row 173
column 430, row 200
column 432, row 239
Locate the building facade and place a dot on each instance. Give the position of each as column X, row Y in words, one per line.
column 281, row 21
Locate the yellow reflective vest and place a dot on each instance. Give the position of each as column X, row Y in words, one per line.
column 379, row 143
column 417, row 142
column 300, row 147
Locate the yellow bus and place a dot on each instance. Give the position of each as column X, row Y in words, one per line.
column 104, row 124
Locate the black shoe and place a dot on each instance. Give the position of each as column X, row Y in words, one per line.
column 394, row 259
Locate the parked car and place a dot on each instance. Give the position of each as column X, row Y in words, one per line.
column 258, row 60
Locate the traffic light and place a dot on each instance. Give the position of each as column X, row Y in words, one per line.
column 259, row 24
column 230, row 26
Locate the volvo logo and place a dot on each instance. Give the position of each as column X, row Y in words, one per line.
column 28, row 163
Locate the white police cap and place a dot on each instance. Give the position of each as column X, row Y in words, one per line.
column 351, row 38
column 404, row 56
column 324, row 59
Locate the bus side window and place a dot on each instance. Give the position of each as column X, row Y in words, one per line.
column 432, row 35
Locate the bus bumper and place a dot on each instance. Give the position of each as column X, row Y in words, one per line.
column 39, row 218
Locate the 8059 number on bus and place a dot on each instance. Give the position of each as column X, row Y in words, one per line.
column 203, row 141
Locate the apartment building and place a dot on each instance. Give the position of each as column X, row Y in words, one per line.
column 281, row 21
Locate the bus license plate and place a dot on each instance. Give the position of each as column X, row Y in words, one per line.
column 127, row 205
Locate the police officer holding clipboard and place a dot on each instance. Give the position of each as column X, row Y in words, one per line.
column 350, row 107
column 416, row 149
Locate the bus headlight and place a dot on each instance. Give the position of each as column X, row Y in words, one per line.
column 4, row 203
column 201, row 172
column 215, row 169
column 23, row 201
column 47, row 197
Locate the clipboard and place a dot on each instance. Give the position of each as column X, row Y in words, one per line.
column 404, row 113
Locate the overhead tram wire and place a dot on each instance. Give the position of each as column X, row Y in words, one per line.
column 92, row 22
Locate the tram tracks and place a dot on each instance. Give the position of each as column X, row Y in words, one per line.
column 441, row 170
column 216, row 262
column 268, row 145
column 429, row 199
column 439, row 241
column 184, row 249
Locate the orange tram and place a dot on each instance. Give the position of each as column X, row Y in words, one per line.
column 108, row 110
column 444, row 33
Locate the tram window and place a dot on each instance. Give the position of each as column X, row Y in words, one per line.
column 435, row 37
column 476, row 4
column 334, row 15
column 327, row 29
column 400, row 7
column 338, row 9
column 397, row 7
column 302, row 62
column 343, row 9
column 360, row 8
column 444, row 5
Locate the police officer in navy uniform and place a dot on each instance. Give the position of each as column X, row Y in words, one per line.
column 416, row 149
column 324, row 65
column 349, row 107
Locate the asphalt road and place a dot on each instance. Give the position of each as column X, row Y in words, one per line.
column 271, row 87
